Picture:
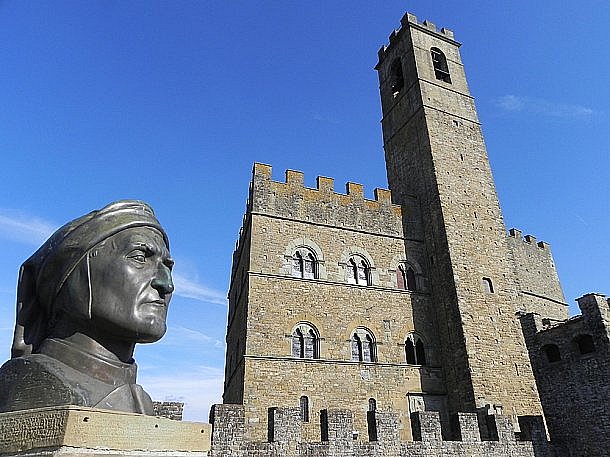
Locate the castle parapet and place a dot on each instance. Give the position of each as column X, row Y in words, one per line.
column 322, row 205
column 285, row 425
column 529, row 239
column 411, row 20
column 168, row 409
column 595, row 310
column 338, row 438
column 537, row 276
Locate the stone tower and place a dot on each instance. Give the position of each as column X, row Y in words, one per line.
column 439, row 173
column 321, row 309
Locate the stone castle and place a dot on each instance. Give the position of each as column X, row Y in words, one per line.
column 416, row 304
column 409, row 325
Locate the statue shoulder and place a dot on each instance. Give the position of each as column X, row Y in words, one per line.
column 36, row 381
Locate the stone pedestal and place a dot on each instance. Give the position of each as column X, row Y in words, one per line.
column 74, row 431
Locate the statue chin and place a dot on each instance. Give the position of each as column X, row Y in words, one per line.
column 152, row 334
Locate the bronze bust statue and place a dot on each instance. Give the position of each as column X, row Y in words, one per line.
column 99, row 285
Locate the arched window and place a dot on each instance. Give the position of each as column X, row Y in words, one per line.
column 304, row 264
column 488, row 286
column 358, row 271
column 441, row 70
column 551, row 352
column 304, row 407
column 585, row 344
column 415, row 352
column 405, row 278
column 305, row 342
column 363, row 346
column 398, row 80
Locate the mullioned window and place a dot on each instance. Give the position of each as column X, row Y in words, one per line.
column 363, row 346
column 305, row 342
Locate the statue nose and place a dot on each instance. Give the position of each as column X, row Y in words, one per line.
column 163, row 280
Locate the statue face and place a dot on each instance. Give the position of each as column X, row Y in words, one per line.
column 131, row 285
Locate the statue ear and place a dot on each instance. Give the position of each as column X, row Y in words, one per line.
column 74, row 297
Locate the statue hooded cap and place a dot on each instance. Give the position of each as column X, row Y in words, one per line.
column 63, row 259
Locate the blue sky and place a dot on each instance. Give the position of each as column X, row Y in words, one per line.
column 172, row 102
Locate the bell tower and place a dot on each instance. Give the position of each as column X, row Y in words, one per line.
column 438, row 171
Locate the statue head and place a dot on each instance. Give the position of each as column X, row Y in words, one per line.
column 107, row 273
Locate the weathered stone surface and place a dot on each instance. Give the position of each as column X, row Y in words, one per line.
column 537, row 276
column 168, row 409
column 89, row 428
column 574, row 388
column 67, row 451
column 336, row 439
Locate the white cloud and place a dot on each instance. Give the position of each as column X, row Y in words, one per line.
column 24, row 228
column 510, row 102
column 542, row 107
column 192, row 289
column 198, row 387
column 178, row 335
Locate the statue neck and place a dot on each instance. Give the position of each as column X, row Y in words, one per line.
column 105, row 348
column 84, row 334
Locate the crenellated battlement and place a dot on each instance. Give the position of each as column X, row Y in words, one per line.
column 337, row 435
column 537, row 276
column 322, row 205
column 593, row 320
column 411, row 20
column 528, row 239
column 295, row 179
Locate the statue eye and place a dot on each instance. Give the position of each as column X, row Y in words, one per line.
column 138, row 256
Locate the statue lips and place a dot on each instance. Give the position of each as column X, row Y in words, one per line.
column 156, row 304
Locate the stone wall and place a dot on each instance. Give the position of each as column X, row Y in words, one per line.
column 74, row 431
column 336, row 439
column 168, row 409
column 573, row 385
column 322, row 205
column 537, row 276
